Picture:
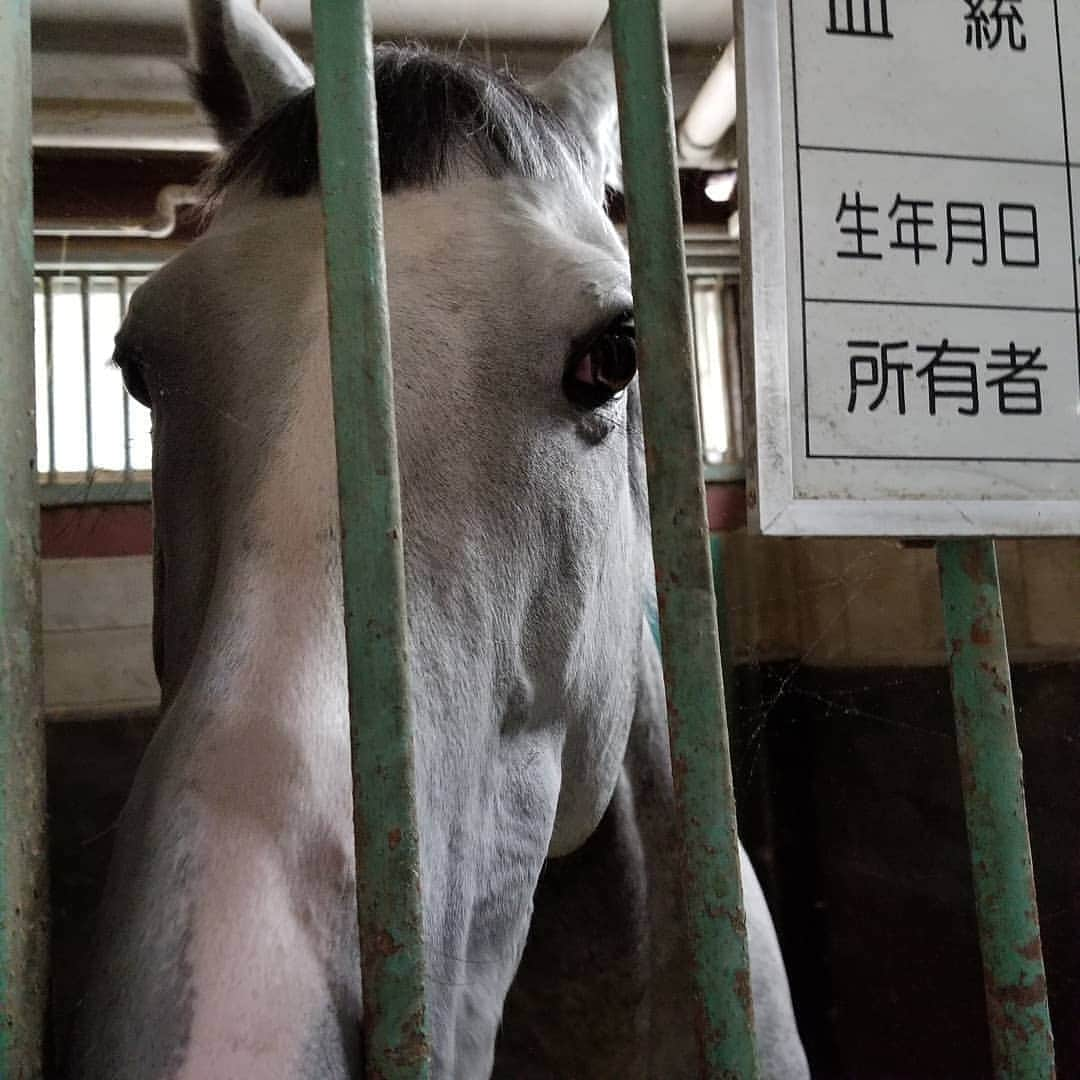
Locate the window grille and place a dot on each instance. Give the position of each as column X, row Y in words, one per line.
column 712, row 264
column 93, row 439
column 714, row 304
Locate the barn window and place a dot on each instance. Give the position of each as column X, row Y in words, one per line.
column 713, row 267
column 93, row 439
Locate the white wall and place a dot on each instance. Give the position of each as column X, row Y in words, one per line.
column 97, row 617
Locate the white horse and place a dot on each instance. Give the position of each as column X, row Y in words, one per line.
column 553, row 940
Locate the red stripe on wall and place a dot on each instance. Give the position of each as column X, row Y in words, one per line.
column 727, row 506
column 96, row 532
column 102, row 531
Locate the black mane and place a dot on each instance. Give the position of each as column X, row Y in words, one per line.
column 435, row 113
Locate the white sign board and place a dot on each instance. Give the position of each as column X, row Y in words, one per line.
column 913, row 216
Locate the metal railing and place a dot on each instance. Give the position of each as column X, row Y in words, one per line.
column 374, row 604
column 23, row 940
column 93, row 439
column 693, row 677
column 396, row 1041
column 1014, row 979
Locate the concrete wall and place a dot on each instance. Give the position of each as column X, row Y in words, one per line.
column 872, row 603
column 829, row 603
column 97, row 616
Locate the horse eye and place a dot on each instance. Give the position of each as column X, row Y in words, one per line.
column 603, row 365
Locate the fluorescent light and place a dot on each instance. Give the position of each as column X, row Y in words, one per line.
column 720, row 186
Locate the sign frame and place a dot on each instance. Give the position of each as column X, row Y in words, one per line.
column 775, row 504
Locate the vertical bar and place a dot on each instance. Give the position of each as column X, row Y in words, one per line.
column 50, row 388
column 694, row 684
column 22, row 838
column 709, row 358
column 84, row 306
column 122, row 299
column 991, row 773
column 733, row 396
column 387, row 840
column 723, row 625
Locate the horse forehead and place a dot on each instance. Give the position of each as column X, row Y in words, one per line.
column 483, row 225
column 471, row 236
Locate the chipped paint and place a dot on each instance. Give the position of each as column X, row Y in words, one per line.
column 723, row 1009
column 23, row 918
column 396, row 1045
column 992, row 783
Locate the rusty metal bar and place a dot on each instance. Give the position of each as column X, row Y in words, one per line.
column 692, row 669
column 22, row 757
column 991, row 773
column 396, row 1043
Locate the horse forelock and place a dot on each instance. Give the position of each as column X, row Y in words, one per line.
column 437, row 116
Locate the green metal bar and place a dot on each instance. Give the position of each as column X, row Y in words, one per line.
column 387, row 842
column 1022, row 1044
column 692, row 671
column 723, row 627
column 22, row 757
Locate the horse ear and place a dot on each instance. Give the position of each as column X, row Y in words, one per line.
column 582, row 91
column 242, row 69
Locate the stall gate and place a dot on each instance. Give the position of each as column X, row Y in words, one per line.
column 395, row 1025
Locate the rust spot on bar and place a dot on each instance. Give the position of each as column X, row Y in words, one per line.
column 1023, row 996
column 980, row 632
column 393, row 838
column 707, row 1039
column 972, row 564
column 413, row 1047
column 385, row 945
column 1032, row 950
column 742, row 988
column 1007, row 1015
column 679, row 769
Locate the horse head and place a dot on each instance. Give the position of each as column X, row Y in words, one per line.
column 526, row 546
column 228, row 943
